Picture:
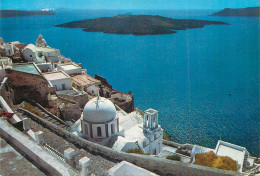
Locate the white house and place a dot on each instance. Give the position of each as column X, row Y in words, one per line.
column 237, row 153
column 5, row 61
column 32, row 53
column 59, row 79
column 9, row 49
column 70, row 68
column 45, row 67
column 41, row 52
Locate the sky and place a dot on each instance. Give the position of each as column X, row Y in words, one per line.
column 126, row 4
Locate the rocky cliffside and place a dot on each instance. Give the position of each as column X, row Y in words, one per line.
column 123, row 100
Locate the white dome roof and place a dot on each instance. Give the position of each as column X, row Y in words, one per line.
column 99, row 110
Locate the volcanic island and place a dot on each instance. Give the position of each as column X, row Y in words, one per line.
column 138, row 24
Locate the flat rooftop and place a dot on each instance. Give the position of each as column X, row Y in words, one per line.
column 150, row 111
column 235, row 154
column 45, row 49
column 69, row 66
column 27, row 68
column 84, row 79
column 55, row 76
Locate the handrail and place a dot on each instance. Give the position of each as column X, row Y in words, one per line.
column 50, row 114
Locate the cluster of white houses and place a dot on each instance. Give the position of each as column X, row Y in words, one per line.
column 100, row 120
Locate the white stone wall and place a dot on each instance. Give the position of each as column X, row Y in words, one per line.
column 58, row 83
column 29, row 55
column 93, row 90
column 71, row 71
column 114, row 122
column 45, row 67
column 52, row 55
column 126, row 168
column 83, row 128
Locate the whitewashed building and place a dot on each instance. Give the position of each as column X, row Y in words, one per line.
column 41, row 52
column 237, row 153
column 99, row 119
column 101, row 122
column 71, row 68
column 60, row 80
column 45, row 67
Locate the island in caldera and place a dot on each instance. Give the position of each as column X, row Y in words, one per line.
column 138, row 24
column 19, row 13
column 249, row 12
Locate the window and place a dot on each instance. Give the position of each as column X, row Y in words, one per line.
column 144, row 144
column 155, row 136
column 30, row 55
column 112, row 128
column 63, row 87
column 99, row 133
column 86, row 129
column 154, row 152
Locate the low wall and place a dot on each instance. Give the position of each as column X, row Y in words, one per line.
column 177, row 145
column 6, row 107
column 154, row 164
column 41, row 157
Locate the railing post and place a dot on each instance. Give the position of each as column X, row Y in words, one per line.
column 26, row 124
column 39, row 137
column 84, row 164
column 69, row 156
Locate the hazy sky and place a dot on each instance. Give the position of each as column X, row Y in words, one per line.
column 127, row 4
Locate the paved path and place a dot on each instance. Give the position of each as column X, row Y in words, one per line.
column 13, row 163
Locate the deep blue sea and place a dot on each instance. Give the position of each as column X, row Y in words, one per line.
column 205, row 83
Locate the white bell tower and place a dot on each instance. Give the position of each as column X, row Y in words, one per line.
column 150, row 119
column 153, row 131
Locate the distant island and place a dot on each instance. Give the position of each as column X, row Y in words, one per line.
column 18, row 13
column 138, row 24
column 249, row 11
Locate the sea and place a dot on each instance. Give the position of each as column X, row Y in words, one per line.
column 204, row 82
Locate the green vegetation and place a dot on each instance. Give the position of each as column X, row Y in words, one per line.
column 166, row 137
column 210, row 159
column 183, row 152
column 137, row 150
column 174, row 157
column 30, row 108
column 140, row 111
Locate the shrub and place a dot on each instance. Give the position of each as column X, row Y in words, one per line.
column 137, row 150
column 174, row 157
column 182, row 152
column 30, row 108
column 166, row 137
column 210, row 159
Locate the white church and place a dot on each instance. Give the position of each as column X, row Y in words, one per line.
column 41, row 53
column 103, row 123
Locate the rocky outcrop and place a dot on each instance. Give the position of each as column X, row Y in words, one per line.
column 123, row 100
column 27, row 87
